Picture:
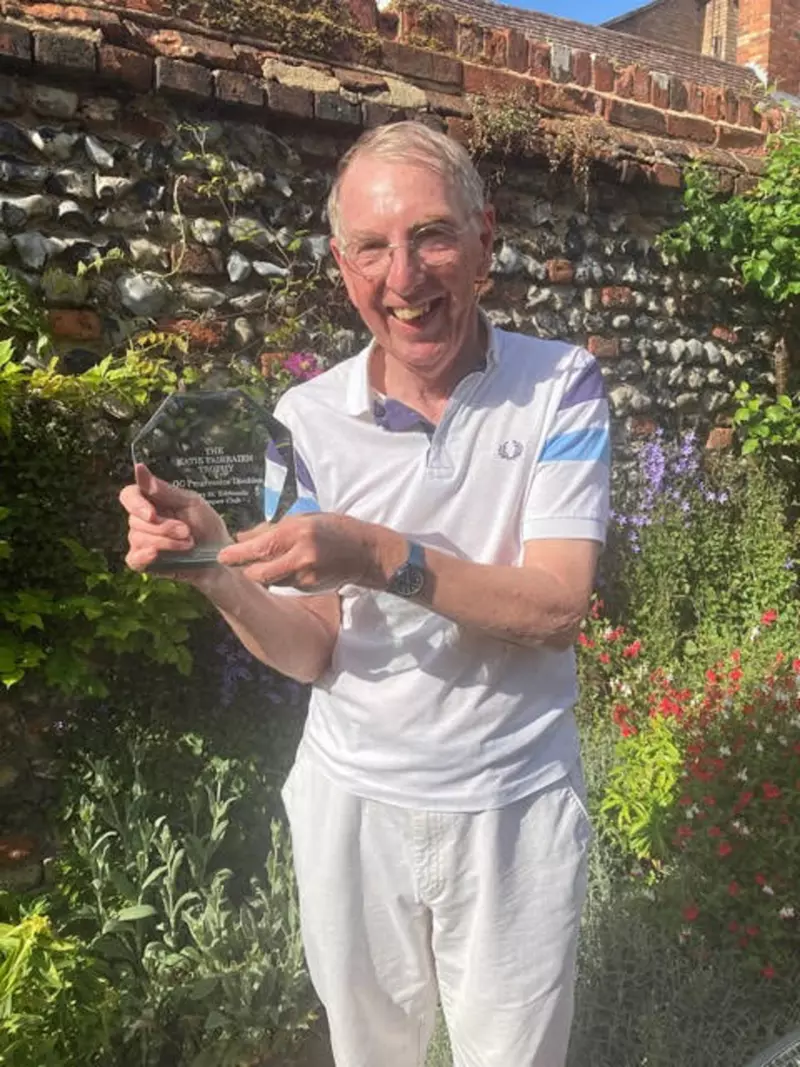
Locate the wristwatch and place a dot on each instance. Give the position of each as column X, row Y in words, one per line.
column 409, row 578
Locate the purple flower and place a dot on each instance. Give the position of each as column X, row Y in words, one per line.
column 303, row 365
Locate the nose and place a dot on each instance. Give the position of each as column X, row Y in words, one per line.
column 405, row 269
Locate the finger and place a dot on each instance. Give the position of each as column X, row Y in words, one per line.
column 161, row 528
column 158, row 491
column 135, row 503
column 140, row 543
column 257, row 531
column 243, row 552
column 139, row 559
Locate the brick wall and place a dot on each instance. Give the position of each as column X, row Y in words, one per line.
column 769, row 37
column 620, row 47
column 721, row 29
column 678, row 23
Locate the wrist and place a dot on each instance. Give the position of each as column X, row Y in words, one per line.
column 387, row 550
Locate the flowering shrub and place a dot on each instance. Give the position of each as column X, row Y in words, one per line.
column 696, row 549
column 737, row 821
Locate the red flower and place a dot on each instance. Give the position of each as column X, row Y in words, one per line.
column 690, row 912
column 760, row 879
column 585, row 641
column 733, row 927
column 769, row 617
column 685, row 831
column 632, row 650
column 770, row 790
column 714, row 831
column 604, row 657
column 724, row 849
column 736, row 674
column 685, row 800
column 709, row 801
column 711, row 676
column 768, row 971
column 627, row 730
column 752, row 931
column 733, row 890
column 796, row 666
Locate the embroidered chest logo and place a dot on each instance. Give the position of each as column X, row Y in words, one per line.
column 510, row 449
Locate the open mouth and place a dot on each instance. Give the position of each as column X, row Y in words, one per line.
column 416, row 314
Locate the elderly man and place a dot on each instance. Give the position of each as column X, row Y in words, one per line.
column 429, row 586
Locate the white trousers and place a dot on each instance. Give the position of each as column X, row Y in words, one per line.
column 400, row 905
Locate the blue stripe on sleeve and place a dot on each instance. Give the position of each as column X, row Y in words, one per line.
column 577, row 445
column 587, row 386
column 303, row 505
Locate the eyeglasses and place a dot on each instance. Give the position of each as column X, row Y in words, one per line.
column 432, row 246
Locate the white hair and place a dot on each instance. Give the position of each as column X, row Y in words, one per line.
column 414, row 144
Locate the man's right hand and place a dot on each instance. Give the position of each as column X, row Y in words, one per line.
column 162, row 518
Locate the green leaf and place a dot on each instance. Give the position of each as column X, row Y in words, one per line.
column 135, row 913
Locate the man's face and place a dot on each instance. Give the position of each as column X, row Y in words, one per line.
column 417, row 298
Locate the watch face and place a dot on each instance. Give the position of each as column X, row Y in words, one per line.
column 409, row 581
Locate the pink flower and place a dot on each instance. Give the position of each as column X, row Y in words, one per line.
column 769, row 617
column 690, row 912
column 303, row 365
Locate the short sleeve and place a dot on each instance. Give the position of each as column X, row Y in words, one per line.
column 568, row 495
column 275, row 473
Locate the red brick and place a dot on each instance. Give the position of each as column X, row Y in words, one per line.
column 641, row 85
column 695, row 99
column 290, row 100
column 427, row 23
column 634, row 117
column 421, row 64
column 360, row 81
column 603, row 347
column 188, row 79
column 15, row 43
column 667, row 175
column 517, row 51
column 488, row 81
column 720, row 439
column 581, row 67
column 76, row 324
column 660, row 91
column 603, row 74
column 623, row 82
column 687, row 128
column 495, row 47
column 616, row 296
column 731, row 107
column 192, row 47
column 560, row 271
column 62, row 51
column 132, row 68
column 200, row 333
column 249, row 60
column 86, row 16
column 539, row 59
column 726, row 334
column 678, row 95
column 573, row 101
column 736, row 139
column 469, row 39
column 364, row 14
column 235, row 88
column 713, row 104
column 151, row 7
column 747, row 113
column 642, row 426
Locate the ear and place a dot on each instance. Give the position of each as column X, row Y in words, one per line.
column 344, row 270
column 487, row 239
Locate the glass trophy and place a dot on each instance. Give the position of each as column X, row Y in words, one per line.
column 218, row 445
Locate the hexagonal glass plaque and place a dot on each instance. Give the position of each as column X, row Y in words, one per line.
column 219, row 445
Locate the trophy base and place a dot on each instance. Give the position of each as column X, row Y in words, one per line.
column 199, row 558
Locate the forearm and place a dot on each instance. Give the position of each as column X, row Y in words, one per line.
column 281, row 631
column 526, row 605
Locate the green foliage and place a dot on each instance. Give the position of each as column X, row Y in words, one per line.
column 756, row 234
column 21, row 316
column 67, row 612
column 57, row 1003
column 206, row 977
column 770, row 427
column 641, row 790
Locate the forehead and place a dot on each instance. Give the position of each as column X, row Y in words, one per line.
column 375, row 190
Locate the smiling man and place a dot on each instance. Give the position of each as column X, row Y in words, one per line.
column 429, row 586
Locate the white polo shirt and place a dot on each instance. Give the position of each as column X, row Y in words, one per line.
column 416, row 710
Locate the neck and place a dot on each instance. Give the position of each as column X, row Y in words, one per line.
column 428, row 392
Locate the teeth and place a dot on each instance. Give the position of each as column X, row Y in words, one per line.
column 407, row 314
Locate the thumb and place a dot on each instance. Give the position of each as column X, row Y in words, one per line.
column 156, row 490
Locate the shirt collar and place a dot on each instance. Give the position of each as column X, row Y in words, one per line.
column 360, row 398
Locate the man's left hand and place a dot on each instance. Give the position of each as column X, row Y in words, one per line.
column 314, row 553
